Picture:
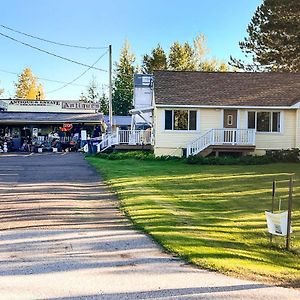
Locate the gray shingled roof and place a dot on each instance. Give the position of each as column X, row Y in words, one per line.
column 226, row 89
column 29, row 117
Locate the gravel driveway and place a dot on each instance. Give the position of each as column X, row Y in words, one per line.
column 62, row 237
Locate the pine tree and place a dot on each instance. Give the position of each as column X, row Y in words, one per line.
column 122, row 99
column 104, row 104
column 28, row 87
column 182, row 57
column 82, row 97
column 92, row 91
column 273, row 41
column 156, row 61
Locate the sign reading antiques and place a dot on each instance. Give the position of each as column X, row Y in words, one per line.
column 79, row 105
column 22, row 105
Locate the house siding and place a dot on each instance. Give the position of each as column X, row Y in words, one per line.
column 283, row 140
column 172, row 142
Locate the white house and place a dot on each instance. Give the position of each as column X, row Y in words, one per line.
column 198, row 113
column 203, row 112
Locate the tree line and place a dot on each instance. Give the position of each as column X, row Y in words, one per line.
column 180, row 57
column 272, row 44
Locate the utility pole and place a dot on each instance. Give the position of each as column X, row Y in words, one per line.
column 110, row 87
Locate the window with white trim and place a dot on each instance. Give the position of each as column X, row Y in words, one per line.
column 264, row 121
column 180, row 119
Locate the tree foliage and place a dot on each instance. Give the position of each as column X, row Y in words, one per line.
column 104, row 104
column 156, row 61
column 93, row 94
column 182, row 57
column 28, row 87
column 213, row 65
column 273, row 41
column 122, row 99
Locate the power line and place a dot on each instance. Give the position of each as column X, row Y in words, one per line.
column 50, row 53
column 71, row 82
column 52, row 42
column 44, row 79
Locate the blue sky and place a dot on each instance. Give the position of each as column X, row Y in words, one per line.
column 100, row 23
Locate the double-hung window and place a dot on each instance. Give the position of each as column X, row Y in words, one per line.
column 264, row 121
column 180, row 119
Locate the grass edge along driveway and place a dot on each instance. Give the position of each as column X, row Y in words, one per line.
column 212, row 216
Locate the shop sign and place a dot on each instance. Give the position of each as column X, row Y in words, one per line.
column 66, row 127
column 79, row 105
column 277, row 223
column 35, row 102
column 48, row 106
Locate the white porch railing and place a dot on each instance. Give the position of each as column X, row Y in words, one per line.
column 129, row 137
column 221, row 137
column 108, row 140
column 135, row 137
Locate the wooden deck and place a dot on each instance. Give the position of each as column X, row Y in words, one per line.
column 243, row 149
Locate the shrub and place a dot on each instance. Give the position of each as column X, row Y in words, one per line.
column 284, row 155
column 229, row 160
column 141, row 155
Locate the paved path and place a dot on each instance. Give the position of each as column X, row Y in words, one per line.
column 62, row 237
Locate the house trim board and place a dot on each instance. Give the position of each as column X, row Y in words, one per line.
column 226, row 107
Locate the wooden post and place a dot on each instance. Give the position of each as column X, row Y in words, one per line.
column 273, row 203
column 289, row 220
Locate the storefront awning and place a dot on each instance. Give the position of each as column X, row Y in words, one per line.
column 49, row 118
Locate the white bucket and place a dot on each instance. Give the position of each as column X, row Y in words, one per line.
column 40, row 150
column 54, row 149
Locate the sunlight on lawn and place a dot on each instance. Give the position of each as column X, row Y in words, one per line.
column 212, row 216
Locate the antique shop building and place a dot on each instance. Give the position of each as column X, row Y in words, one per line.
column 38, row 120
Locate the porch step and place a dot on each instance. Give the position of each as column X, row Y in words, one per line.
column 244, row 149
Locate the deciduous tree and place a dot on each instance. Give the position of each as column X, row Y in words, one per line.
column 273, row 41
column 28, row 87
column 213, row 65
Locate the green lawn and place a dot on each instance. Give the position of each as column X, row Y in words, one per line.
column 213, row 216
